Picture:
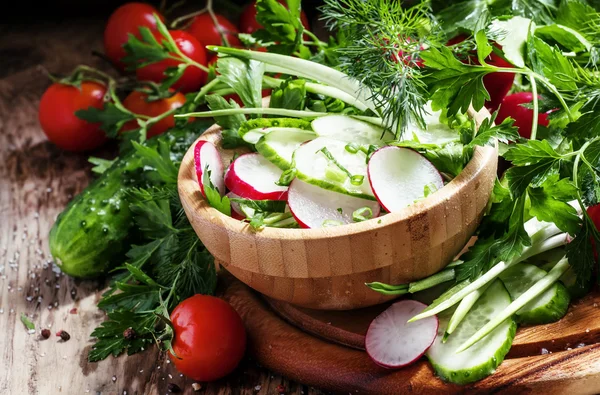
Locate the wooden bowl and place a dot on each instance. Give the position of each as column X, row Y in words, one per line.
column 327, row 268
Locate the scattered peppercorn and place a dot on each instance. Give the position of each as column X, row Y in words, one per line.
column 73, row 310
column 45, row 333
column 281, row 389
column 197, row 386
column 174, row 388
column 129, row 333
column 64, row 335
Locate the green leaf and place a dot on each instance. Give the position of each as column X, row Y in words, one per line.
column 144, row 51
column 291, row 94
column 216, row 102
column 568, row 39
column 110, row 334
column 488, row 133
column 244, row 77
column 552, row 64
column 213, row 196
column 130, row 297
column 449, row 159
column 531, row 152
column 281, row 25
column 101, row 165
column 585, row 128
column 27, row 322
column 152, row 216
column 484, row 49
column 158, row 158
column 549, row 203
column 478, row 258
column 580, row 252
column 110, row 118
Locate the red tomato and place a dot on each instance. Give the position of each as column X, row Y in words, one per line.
column 126, row 20
column 205, row 31
column 210, row 338
column 58, row 120
column 193, row 77
column 511, row 107
column 136, row 103
column 497, row 84
column 249, row 24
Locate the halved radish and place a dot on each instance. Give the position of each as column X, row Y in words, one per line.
column 251, row 176
column 236, row 211
column 207, row 157
column 313, row 206
column 391, row 342
column 399, row 177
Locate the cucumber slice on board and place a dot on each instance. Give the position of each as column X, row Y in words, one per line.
column 482, row 358
column 550, row 306
column 315, row 168
column 278, row 146
column 348, row 129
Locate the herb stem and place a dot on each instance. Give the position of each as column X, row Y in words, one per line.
column 260, row 111
column 534, row 125
column 206, row 89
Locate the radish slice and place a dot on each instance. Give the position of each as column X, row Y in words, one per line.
column 313, row 206
column 206, row 156
column 251, row 176
column 391, row 342
column 399, row 177
column 236, row 211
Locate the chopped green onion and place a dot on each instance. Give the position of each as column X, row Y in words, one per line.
column 331, row 222
column 362, row 214
column 353, row 148
column 287, row 177
column 357, row 179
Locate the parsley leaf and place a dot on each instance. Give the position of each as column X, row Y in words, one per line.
column 244, row 77
column 549, row 203
column 282, row 27
column 291, row 94
column 110, row 117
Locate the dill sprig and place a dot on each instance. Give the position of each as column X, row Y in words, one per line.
column 383, row 41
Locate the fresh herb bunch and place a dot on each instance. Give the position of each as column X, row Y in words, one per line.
column 168, row 265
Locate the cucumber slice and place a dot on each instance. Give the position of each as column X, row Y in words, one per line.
column 278, row 146
column 550, row 306
column 252, row 136
column 348, row 129
column 251, row 131
column 435, row 132
column 315, row 168
column 483, row 357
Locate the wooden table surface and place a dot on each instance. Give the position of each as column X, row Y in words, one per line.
column 36, row 181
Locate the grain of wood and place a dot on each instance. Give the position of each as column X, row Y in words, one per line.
column 36, row 182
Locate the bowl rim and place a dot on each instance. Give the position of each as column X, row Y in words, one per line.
column 200, row 208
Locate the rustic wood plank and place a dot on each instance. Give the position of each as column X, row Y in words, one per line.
column 36, row 181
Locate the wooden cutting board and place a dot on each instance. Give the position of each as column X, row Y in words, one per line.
column 324, row 349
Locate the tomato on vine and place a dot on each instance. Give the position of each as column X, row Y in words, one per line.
column 124, row 21
column 139, row 103
column 58, row 120
column 204, row 29
column 193, row 77
column 210, row 338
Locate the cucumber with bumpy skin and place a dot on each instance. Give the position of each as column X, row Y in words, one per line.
column 96, row 228
column 550, row 306
column 482, row 358
column 278, row 146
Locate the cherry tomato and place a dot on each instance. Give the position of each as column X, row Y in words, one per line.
column 204, row 30
column 210, row 338
column 59, row 122
column 136, row 102
column 249, row 24
column 497, row 84
column 511, row 107
column 126, row 20
column 193, row 77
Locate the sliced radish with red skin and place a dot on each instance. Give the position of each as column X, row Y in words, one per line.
column 236, row 211
column 312, row 206
column 251, row 176
column 392, row 342
column 398, row 177
column 206, row 156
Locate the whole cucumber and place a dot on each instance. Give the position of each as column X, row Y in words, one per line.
column 95, row 230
